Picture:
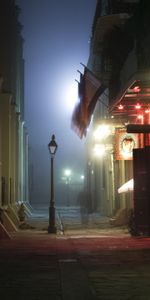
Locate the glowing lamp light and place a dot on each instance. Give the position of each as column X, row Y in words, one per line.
column 102, row 131
column 99, row 150
column 138, row 106
column 52, row 146
column 147, row 110
column 120, row 107
column 67, row 172
column 136, row 89
column 140, row 117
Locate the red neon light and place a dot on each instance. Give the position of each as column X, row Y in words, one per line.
column 137, row 89
column 137, row 106
column 147, row 110
column 120, row 106
column 140, row 116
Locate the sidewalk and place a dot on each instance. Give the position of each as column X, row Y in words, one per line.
column 96, row 225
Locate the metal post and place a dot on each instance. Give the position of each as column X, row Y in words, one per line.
column 52, row 227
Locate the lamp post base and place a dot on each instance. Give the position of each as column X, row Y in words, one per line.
column 52, row 229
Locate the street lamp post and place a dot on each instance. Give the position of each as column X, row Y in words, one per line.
column 52, row 146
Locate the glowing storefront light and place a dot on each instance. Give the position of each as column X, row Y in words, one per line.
column 138, row 106
column 147, row 110
column 120, row 107
column 124, row 144
column 140, row 117
column 126, row 187
column 102, row 131
column 136, row 89
column 99, row 150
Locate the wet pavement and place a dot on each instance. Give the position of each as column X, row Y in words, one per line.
column 83, row 263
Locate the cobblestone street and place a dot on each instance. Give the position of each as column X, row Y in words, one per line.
column 81, row 264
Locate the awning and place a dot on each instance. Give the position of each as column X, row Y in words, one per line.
column 89, row 89
column 126, row 187
column 137, row 88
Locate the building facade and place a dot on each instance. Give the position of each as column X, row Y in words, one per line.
column 119, row 59
column 13, row 135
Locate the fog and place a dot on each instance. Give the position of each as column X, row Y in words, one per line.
column 56, row 39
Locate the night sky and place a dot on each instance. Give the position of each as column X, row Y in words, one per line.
column 56, row 39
